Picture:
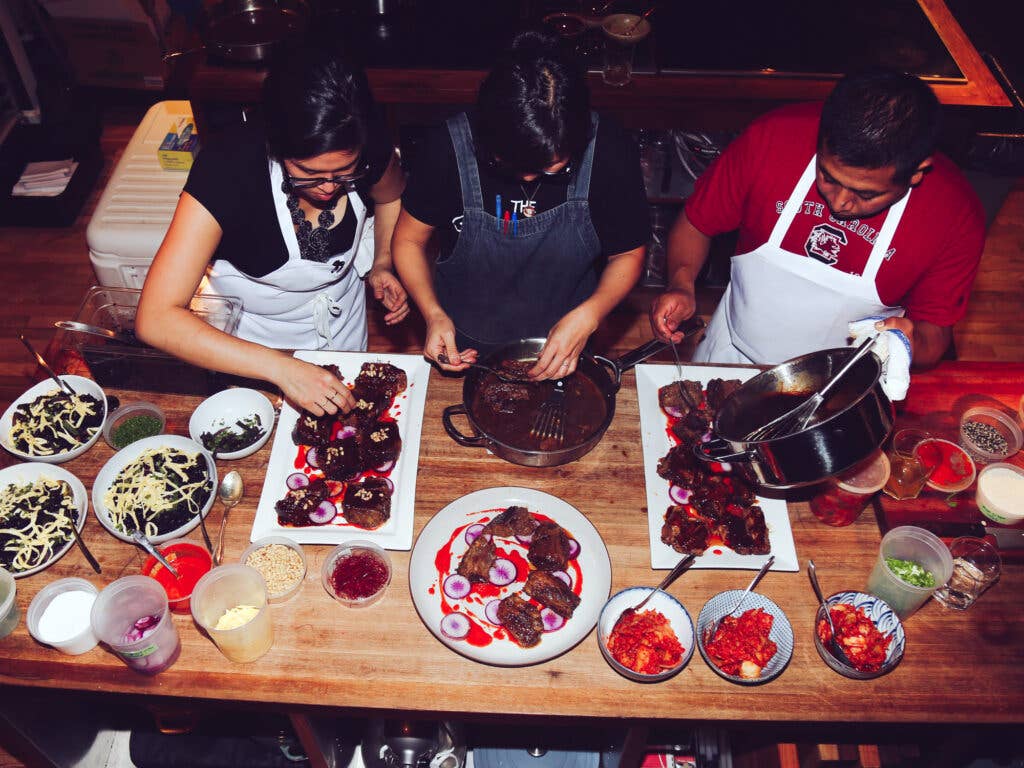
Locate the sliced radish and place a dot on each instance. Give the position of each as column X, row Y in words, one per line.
column 678, row 494
column 389, row 483
column 311, row 456
column 455, row 626
column 324, row 513
column 551, row 620
column 296, row 480
column 672, row 411
column 346, row 431
column 563, row 577
column 473, row 531
column 524, row 539
column 574, row 548
column 502, row 573
column 386, row 467
column 456, row 586
column 491, row 612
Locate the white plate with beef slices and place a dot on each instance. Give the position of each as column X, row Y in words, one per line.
column 382, row 498
column 656, row 438
column 465, row 613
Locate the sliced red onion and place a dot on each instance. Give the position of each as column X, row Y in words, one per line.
column 491, row 612
column 672, row 411
column 390, row 484
column 564, row 577
column 456, row 586
column 574, row 548
column 678, row 494
column 386, row 467
column 502, row 573
column 455, row 626
column 296, row 480
column 551, row 620
column 346, row 431
column 473, row 531
column 324, row 513
column 524, row 539
column 311, row 456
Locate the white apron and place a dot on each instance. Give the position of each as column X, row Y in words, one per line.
column 779, row 305
column 303, row 304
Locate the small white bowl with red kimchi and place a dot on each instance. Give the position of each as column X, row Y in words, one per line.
column 649, row 645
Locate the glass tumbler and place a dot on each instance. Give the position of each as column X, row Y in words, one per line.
column 976, row 567
column 907, row 474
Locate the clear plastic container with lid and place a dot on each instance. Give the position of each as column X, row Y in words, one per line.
column 989, row 434
column 843, row 498
column 1000, row 493
column 131, row 422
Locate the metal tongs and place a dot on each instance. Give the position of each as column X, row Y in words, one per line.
column 798, row 418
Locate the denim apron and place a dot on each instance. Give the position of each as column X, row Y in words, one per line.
column 498, row 286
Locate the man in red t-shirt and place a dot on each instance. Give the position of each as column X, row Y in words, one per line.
column 844, row 211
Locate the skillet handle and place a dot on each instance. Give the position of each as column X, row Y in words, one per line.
column 628, row 360
column 707, row 451
column 478, row 441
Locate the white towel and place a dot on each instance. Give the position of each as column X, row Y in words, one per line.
column 893, row 349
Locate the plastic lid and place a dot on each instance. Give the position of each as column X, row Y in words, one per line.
column 118, row 437
column 868, row 476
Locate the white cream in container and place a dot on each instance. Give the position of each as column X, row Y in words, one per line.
column 1000, row 494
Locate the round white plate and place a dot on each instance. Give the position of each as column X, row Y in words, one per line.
column 82, row 386
column 126, row 456
column 444, row 534
column 22, row 474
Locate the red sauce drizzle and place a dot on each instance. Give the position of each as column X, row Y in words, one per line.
column 359, row 575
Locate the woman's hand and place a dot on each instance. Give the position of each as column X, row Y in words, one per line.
column 312, row 388
column 441, row 341
column 388, row 290
column 565, row 343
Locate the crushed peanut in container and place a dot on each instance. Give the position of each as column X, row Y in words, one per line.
column 280, row 565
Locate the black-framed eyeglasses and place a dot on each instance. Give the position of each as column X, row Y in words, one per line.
column 565, row 172
column 342, row 180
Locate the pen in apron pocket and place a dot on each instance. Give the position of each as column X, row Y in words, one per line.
column 497, row 211
column 504, row 222
column 515, row 224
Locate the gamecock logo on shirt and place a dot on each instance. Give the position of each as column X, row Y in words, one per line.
column 824, row 242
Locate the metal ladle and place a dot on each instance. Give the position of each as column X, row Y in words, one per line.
column 230, row 492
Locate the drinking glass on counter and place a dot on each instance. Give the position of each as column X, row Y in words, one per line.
column 230, row 603
column 907, row 473
column 843, row 498
column 132, row 616
column 976, row 566
column 622, row 32
column 911, row 563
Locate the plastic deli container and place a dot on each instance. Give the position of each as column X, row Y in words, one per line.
column 59, row 615
column 844, row 497
column 281, row 562
column 989, row 434
column 190, row 560
column 916, row 545
column 952, row 468
column 1000, row 493
column 132, row 617
column 9, row 613
column 230, row 603
column 356, row 573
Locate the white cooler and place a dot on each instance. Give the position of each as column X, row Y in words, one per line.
column 135, row 209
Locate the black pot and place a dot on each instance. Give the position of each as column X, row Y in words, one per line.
column 606, row 374
column 249, row 31
column 854, row 422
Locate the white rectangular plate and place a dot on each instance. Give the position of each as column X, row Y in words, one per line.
column 407, row 410
column 656, row 443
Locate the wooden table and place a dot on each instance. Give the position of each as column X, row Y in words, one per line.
column 958, row 668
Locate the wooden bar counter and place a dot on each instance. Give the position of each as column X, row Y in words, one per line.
column 959, row 667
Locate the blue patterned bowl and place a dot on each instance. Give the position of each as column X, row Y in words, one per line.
column 668, row 606
column 781, row 633
column 887, row 622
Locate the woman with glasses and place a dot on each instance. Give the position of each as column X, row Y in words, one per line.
column 291, row 218
column 540, row 210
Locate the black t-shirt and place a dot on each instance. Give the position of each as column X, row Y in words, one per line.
column 231, row 179
column 618, row 203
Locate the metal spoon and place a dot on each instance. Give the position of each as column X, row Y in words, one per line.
column 834, row 647
column 674, row 574
column 230, row 493
column 46, row 366
column 711, row 631
column 95, row 330
column 140, row 538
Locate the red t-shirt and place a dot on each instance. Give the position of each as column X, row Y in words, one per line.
column 934, row 253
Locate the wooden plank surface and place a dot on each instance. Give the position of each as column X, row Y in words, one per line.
column 959, row 667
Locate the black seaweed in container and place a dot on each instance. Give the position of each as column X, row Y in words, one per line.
column 227, row 439
column 55, row 423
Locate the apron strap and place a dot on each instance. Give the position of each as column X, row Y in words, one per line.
column 796, row 199
column 579, row 187
column 465, row 157
column 881, row 247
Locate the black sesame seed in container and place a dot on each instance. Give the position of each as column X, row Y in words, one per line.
column 989, row 434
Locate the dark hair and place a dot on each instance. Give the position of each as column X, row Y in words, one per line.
column 534, row 106
column 878, row 118
column 314, row 101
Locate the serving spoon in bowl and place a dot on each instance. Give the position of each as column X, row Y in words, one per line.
column 834, row 647
column 682, row 566
column 140, row 538
column 712, row 630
